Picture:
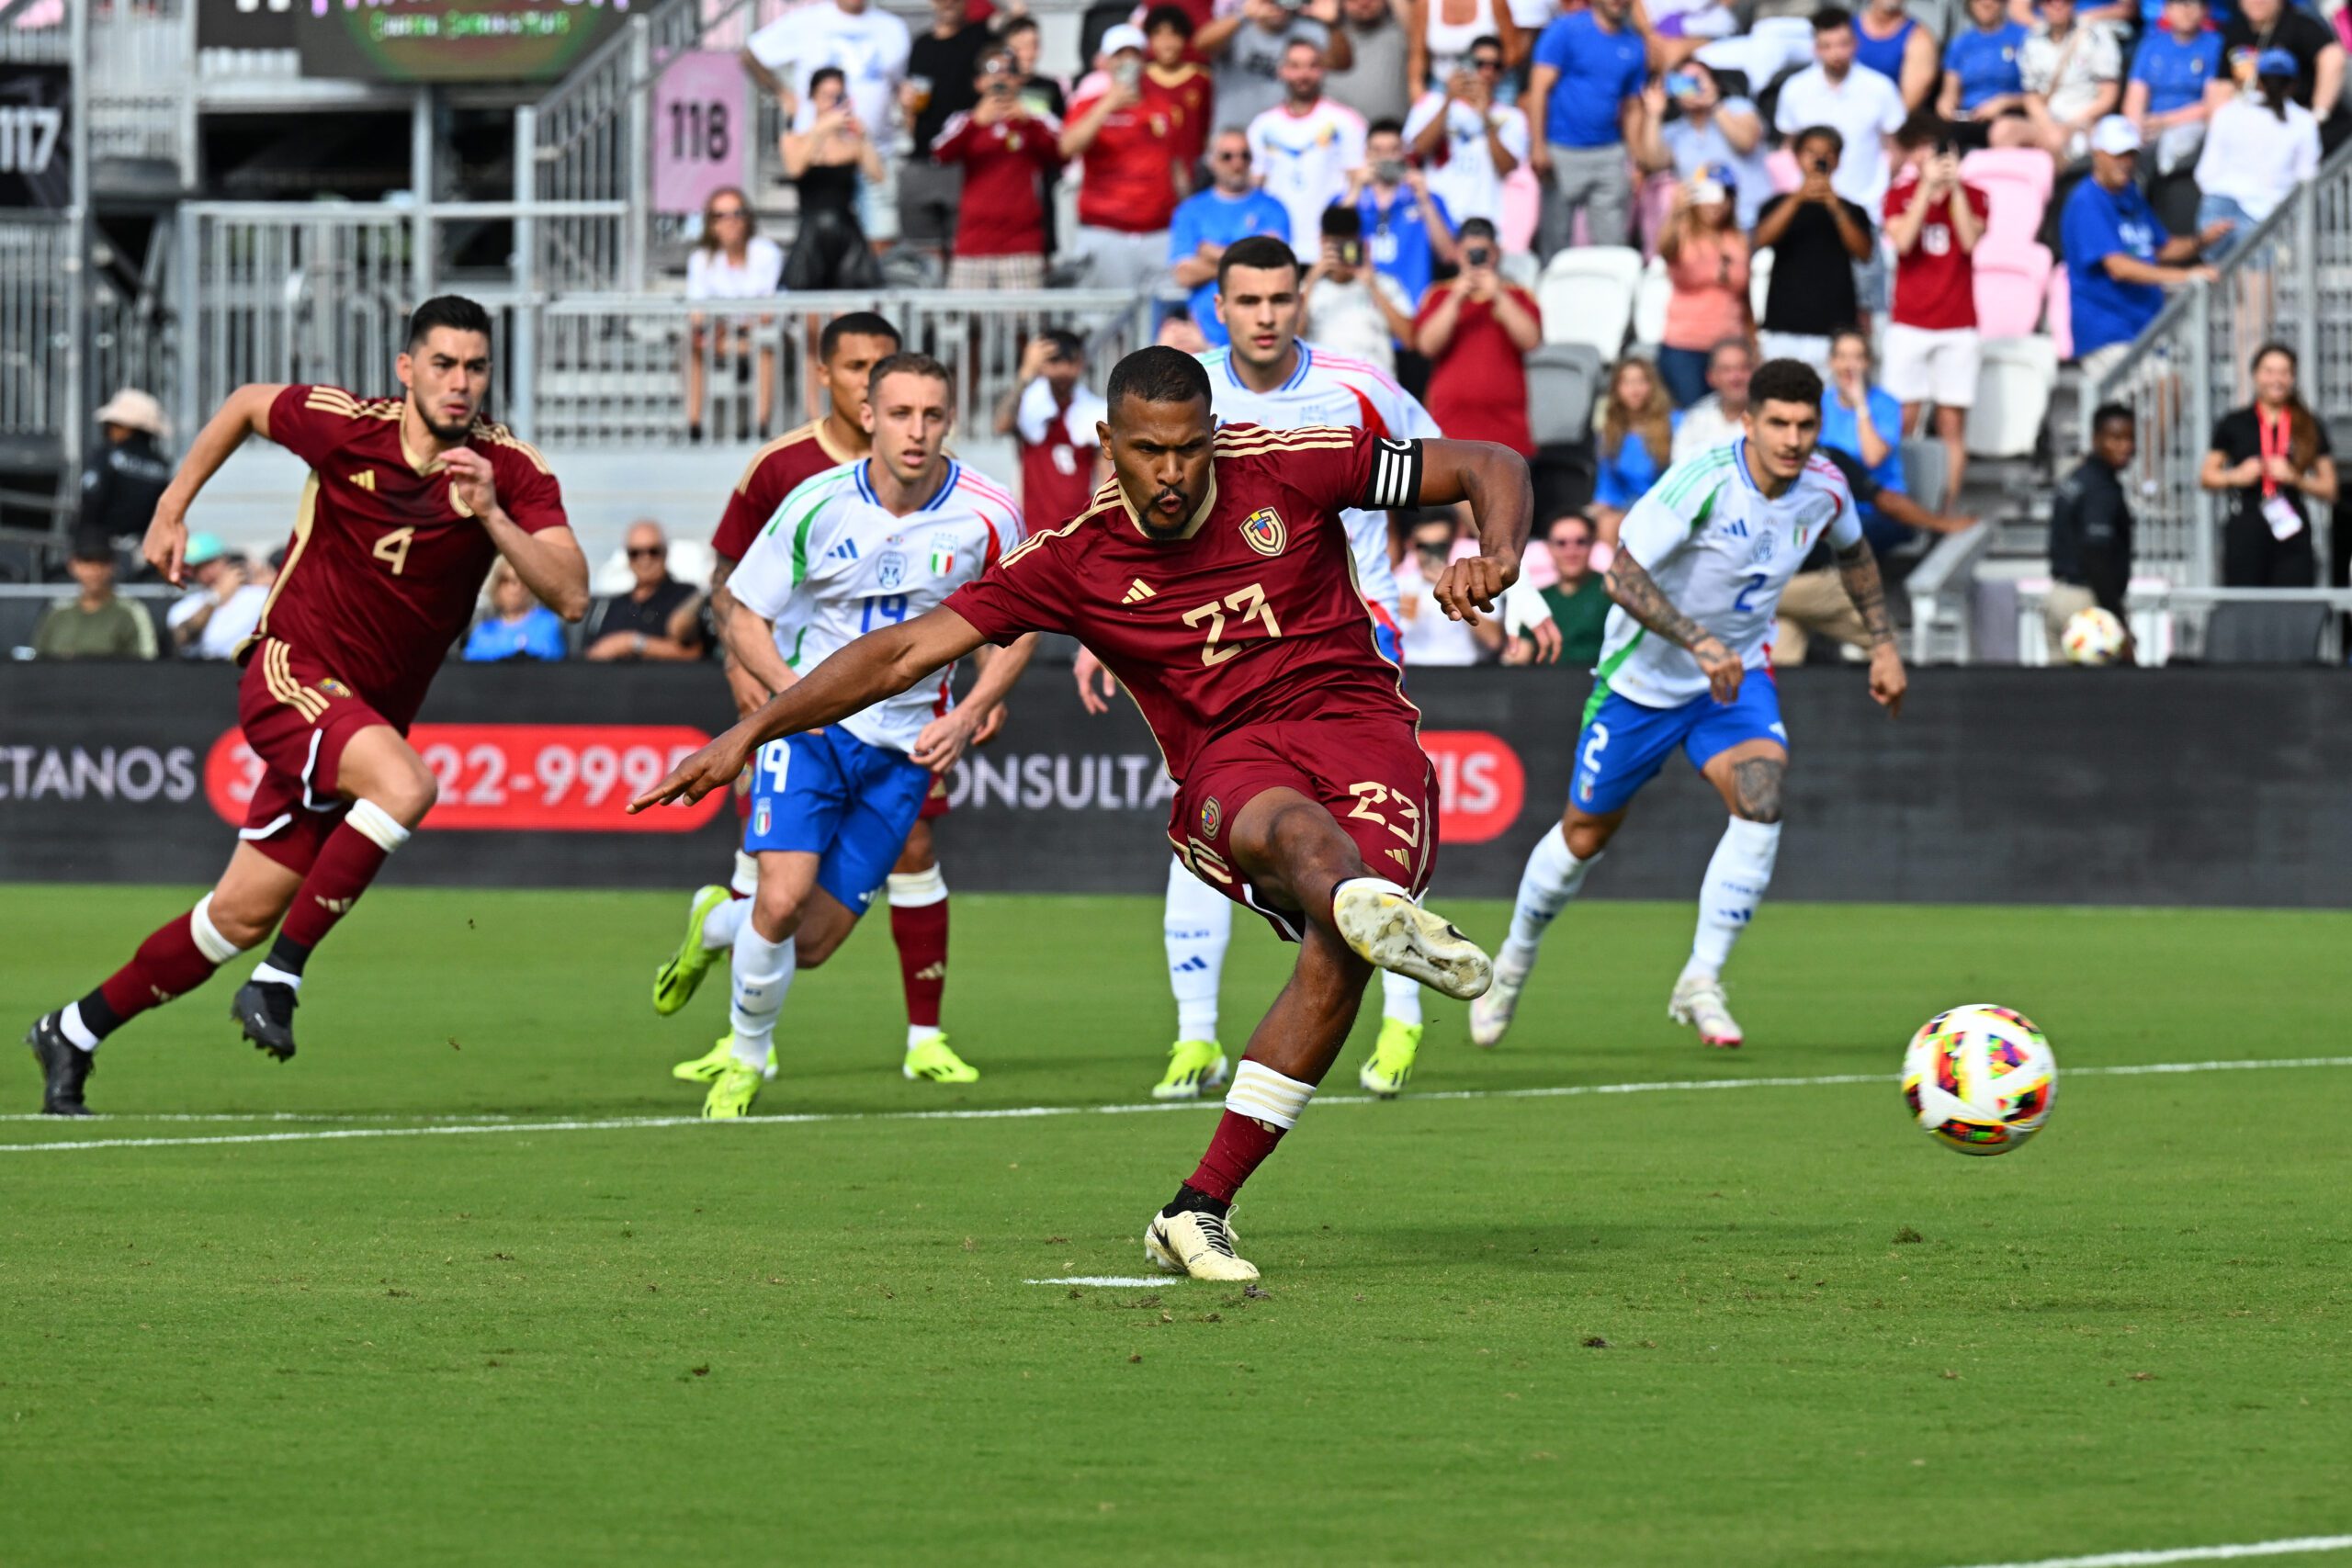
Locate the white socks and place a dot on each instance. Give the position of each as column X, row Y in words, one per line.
column 746, row 880
column 1553, row 877
column 720, row 927
column 1197, row 926
column 1737, row 878
column 761, row 972
column 77, row 1033
column 1264, row 1095
column 1400, row 997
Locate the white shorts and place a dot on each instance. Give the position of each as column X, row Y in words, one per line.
column 1924, row 364
column 1812, row 350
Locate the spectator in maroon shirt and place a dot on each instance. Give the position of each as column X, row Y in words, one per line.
column 1476, row 331
column 1051, row 416
column 1933, row 351
column 1003, row 148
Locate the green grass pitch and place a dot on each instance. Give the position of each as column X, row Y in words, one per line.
column 1735, row 1326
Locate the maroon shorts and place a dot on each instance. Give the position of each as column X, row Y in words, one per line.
column 1369, row 774
column 935, row 803
column 297, row 718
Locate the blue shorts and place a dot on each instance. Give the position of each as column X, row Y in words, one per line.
column 831, row 795
column 1624, row 743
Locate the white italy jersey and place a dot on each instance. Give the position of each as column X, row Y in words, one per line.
column 834, row 564
column 1722, row 553
column 1329, row 390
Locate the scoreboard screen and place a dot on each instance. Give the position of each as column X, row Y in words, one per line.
column 419, row 40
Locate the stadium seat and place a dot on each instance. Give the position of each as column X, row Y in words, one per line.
column 1759, row 281
column 2017, row 182
column 1563, row 378
column 2246, row 632
column 1650, row 299
column 2012, row 396
column 1926, row 469
column 2059, row 319
column 1520, row 267
column 1588, row 296
column 2012, row 278
column 1522, row 209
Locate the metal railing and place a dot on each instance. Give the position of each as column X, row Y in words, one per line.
column 142, row 86
column 617, row 371
column 2290, row 280
column 36, row 288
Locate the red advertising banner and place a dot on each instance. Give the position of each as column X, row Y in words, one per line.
column 571, row 778
column 1480, row 784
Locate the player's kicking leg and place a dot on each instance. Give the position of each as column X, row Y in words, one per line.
column 308, row 867
column 1196, row 927
column 1294, row 856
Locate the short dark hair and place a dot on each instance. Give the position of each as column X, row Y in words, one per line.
column 817, row 78
column 1839, row 335
column 1158, row 375
column 1342, row 223
column 92, row 545
column 1019, row 25
column 1922, row 126
column 1257, row 251
column 1784, row 381
column 1302, row 41
column 910, row 362
column 1161, row 16
column 1394, row 126
column 1483, row 228
column 1829, row 133
column 1829, row 18
column 2107, row 413
column 453, row 310
column 1728, row 343
column 1486, row 40
column 856, row 324
column 1067, row 343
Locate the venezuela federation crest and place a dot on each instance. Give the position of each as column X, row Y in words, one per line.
column 1264, row 532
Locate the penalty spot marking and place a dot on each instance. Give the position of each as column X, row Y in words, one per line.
column 1017, row 1112
column 1105, row 1279
column 2190, row 1555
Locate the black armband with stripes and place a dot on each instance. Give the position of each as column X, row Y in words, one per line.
column 1395, row 475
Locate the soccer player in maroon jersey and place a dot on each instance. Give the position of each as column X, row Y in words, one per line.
column 1211, row 576
column 409, row 502
column 847, row 351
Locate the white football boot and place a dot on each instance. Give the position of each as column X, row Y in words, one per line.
column 1698, row 1000
column 1196, row 1244
column 1380, row 921
column 1490, row 1015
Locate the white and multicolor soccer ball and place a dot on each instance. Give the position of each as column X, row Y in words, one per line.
column 1980, row 1079
column 2093, row 636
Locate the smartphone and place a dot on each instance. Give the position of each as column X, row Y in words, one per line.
column 1680, row 83
column 1351, row 252
column 1477, row 255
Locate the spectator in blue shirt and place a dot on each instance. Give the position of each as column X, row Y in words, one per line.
column 518, row 627
column 1584, row 107
column 1638, row 420
column 1407, row 229
column 2177, row 83
column 1983, row 92
column 1866, row 423
column 1206, row 221
column 2118, row 268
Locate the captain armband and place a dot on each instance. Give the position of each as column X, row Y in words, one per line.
column 1395, row 475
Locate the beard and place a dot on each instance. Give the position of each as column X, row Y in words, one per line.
column 450, row 435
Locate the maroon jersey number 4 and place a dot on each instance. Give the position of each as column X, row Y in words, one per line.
column 386, row 561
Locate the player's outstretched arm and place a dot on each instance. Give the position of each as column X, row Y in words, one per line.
column 1858, row 570
column 1493, row 479
column 244, row 412
column 879, row 664
column 982, row 712
column 1639, row 594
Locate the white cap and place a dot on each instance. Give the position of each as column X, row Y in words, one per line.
column 2115, row 136
column 133, row 410
column 1125, row 35
column 1707, row 189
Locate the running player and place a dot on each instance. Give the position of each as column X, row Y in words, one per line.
column 1211, row 576
column 409, row 502
column 865, row 544
column 1700, row 563
column 847, row 351
column 1271, row 376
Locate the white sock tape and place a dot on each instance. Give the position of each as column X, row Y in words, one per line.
column 746, row 880
column 209, row 939
column 1265, row 1095
column 914, row 889
column 377, row 823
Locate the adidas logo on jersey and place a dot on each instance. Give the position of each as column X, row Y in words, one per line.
column 1137, row 592
column 365, row 479
column 845, row 550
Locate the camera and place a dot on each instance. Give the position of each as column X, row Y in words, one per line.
column 1477, row 255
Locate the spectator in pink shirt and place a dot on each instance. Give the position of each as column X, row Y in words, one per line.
column 1706, row 259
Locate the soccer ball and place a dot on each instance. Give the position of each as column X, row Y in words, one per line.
column 1979, row 1079
column 2092, row 637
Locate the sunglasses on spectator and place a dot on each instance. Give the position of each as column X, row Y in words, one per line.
column 648, row 552
column 1231, row 157
column 1486, row 63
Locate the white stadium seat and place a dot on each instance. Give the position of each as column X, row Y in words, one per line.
column 1759, row 281
column 2012, row 396
column 1650, row 296
column 1588, row 297
column 1563, row 381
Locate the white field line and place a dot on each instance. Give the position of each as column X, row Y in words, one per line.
column 1129, row 1280
column 1564, row 1091
column 2190, row 1555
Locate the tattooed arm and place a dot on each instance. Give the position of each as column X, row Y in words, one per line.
column 1857, row 569
column 1638, row 593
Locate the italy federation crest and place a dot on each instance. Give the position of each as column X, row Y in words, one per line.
column 1264, row 532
